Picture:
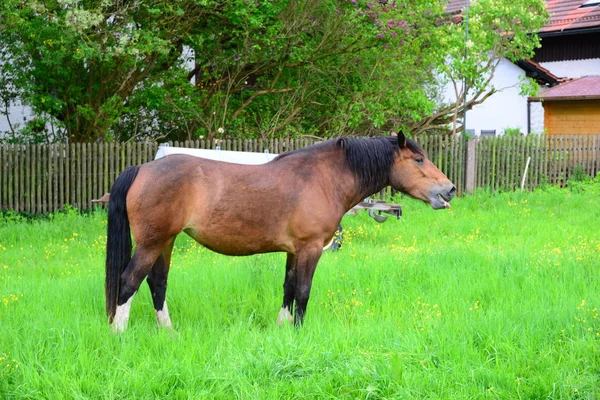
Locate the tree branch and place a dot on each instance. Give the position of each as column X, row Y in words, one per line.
column 255, row 95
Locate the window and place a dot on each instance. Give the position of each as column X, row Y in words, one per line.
column 590, row 3
column 488, row 132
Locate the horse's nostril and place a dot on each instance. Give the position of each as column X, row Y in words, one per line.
column 451, row 193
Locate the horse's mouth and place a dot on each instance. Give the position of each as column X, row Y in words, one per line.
column 440, row 197
column 444, row 202
column 439, row 201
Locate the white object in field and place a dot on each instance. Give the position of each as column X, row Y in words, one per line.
column 236, row 157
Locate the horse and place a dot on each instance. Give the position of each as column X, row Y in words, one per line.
column 292, row 204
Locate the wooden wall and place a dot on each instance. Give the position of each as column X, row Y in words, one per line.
column 572, row 117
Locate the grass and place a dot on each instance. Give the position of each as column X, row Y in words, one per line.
column 497, row 298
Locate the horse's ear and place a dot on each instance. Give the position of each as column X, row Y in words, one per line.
column 401, row 140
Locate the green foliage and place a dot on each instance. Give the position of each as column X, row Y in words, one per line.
column 104, row 70
column 579, row 175
column 579, row 181
column 528, row 87
column 323, row 68
column 497, row 28
column 513, row 131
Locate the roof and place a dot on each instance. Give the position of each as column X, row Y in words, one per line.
column 455, row 6
column 585, row 88
column 564, row 14
column 539, row 73
column 569, row 14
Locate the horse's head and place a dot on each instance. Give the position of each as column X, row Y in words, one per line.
column 413, row 174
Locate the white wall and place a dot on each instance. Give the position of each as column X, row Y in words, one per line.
column 505, row 108
column 536, row 117
column 18, row 115
column 573, row 68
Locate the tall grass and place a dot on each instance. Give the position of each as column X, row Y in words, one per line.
column 497, row 298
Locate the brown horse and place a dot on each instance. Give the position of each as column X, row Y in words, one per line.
column 292, row 204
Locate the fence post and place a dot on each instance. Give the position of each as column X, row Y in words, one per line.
column 470, row 166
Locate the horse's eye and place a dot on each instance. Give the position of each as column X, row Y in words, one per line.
column 420, row 160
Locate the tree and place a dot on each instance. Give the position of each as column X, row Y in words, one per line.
column 121, row 70
column 313, row 67
column 497, row 29
column 78, row 62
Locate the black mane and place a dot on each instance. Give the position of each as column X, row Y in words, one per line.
column 369, row 159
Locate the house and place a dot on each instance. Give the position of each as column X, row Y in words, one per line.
column 573, row 107
column 571, row 49
column 567, row 67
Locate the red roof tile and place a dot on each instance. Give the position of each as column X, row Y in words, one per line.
column 585, row 88
column 568, row 14
column 455, row 6
column 564, row 14
column 541, row 71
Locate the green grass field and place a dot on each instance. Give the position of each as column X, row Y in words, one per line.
column 497, row 298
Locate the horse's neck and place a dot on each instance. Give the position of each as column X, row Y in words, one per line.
column 361, row 195
column 347, row 185
column 336, row 177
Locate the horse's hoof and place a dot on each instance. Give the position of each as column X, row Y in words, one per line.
column 118, row 328
column 170, row 331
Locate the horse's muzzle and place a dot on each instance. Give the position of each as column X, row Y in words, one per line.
column 441, row 196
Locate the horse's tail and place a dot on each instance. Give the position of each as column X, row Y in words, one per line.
column 118, row 241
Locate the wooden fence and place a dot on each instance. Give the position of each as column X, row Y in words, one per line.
column 500, row 162
column 45, row 178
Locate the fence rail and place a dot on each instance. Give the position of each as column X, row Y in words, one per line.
column 45, row 178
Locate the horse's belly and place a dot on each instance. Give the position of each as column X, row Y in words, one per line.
column 237, row 243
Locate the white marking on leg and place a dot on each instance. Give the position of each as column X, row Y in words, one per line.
column 162, row 317
column 122, row 316
column 284, row 315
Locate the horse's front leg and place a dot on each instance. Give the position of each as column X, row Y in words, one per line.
column 307, row 259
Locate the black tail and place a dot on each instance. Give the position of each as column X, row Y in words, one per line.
column 118, row 241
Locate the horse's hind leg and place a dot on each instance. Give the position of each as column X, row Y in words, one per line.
column 157, row 281
column 138, row 268
column 289, row 290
